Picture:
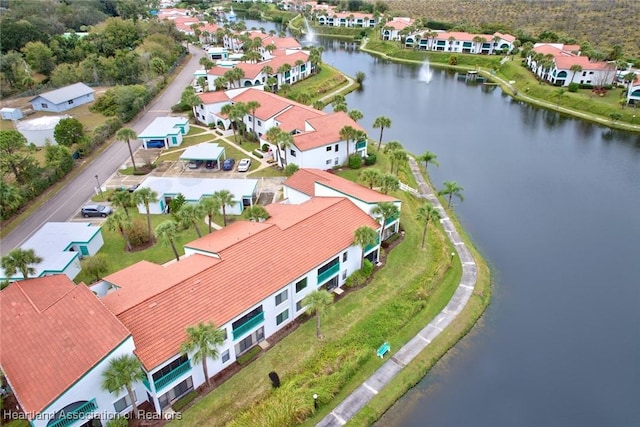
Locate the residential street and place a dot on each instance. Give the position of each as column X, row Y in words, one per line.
column 66, row 203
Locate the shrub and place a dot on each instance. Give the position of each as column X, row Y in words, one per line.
column 249, row 355
column 265, row 148
column 573, row 87
column 370, row 159
column 453, row 60
column 257, row 153
column 137, row 233
column 184, row 401
column 355, row 161
column 367, row 268
column 290, row 169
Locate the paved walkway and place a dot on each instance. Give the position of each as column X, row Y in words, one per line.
column 394, row 364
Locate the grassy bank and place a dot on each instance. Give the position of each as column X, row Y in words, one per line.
column 412, row 287
column 519, row 82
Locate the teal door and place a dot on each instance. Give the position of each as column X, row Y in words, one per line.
column 84, row 250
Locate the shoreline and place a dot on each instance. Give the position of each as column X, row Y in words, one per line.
column 509, row 90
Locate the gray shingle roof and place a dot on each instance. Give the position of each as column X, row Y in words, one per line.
column 65, row 93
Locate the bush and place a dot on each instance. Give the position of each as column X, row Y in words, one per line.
column 355, row 161
column 290, row 169
column 248, row 356
column 184, row 401
column 367, row 268
column 585, row 86
column 370, row 159
column 265, row 148
column 137, row 233
column 573, row 87
column 453, row 60
column 257, row 153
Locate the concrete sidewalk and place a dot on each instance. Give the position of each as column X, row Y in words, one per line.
column 389, row 369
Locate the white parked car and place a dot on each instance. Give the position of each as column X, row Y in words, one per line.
column 244, row 165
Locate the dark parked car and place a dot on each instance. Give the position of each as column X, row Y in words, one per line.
column 227, row 165
column 209, row 164
column 133, row 188
column 95, row 210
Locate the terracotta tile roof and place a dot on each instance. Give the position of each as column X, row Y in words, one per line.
column 571, row 47
column 565, row 63
column 295, row 117
column 399, row 23
column 326, row 130
column 281, row 42
column 546, row 49
column 213, row 97
column 52, row 332
column 507, row 37
column 228, row 236
column 217, row 70
column 270, row 104
column 250, row 270
column 304, row 180
column 135, row 286
column 279, row 60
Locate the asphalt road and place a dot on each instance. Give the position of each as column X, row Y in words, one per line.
column 67, row 202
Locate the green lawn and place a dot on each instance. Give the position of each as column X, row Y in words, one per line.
column 117, row 256
column 413, row 286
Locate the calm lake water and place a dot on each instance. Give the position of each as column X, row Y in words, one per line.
column 553, row 204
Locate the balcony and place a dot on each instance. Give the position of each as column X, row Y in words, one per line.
column 70, row 417
column 327, row 274
column 248, row 325
column 390, row 220
column 370, row 247
column 164, row 381
column 360, row 145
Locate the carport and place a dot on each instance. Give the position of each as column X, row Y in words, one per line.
column 205, row 152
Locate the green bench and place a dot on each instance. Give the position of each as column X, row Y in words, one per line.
column 384, row 348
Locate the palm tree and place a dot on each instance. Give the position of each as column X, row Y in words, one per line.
column 576, row 69
column 428, row 157
column 119, row 221
column 11, row 199
column 355, row 115
column 397, row 158
column 167, row 232
column 392, row 146
column 126, row 135
column 385, row 210
column 252, row 106
column 20, row 260
column 123, row 199
column 235, row 112
column 256, row 213
column 146, row 196
column 224, row 198
column 203, row 339
column 317, row 302
column 381, row 122
column 123, row 371
column 364, row 236
column 318, row 105
column 370, row 176
column 283, row 140
column 451, row 188
column 348, row 133
column 220, row 83
column 191, row 214
column 389, row 182
column 210, row 205
column 427, row 212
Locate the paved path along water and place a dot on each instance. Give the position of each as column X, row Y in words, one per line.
column 389, row 369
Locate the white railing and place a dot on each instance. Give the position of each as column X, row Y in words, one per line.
column 405, row 187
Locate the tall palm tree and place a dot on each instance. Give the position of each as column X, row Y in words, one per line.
column 317, row 303
column 451, row 188
column 191, row 214
column 428, row 157
column 210, row 206
column 426, row 213
column 576, row 68
column 146, row 196
column 252, row 106
column 389, row 182
column 256, row 213
column 119, row 221
column 224, row 198
column 203, row 340
column 123, row 372
column 381, row 122
column 370, row 176
column 398, row 157
column 348, row 133
column 124, row 200
column 364, row 236
column 283, row 140
column 392, row 146
column 167, row 232
column 126, row 135
column 20, row 260
column 385, row 210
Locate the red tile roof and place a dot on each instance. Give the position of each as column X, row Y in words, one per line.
column 326, row 130
column 270, row 104
column 507, row 37
column 282, row 42
column 399, row 23
column 304, row 180
column 565, row 63
column 213, row 97
column 52, row 332
column 295, row 117
column 251, row 270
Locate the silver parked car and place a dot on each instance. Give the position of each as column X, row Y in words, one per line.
column 95, row 210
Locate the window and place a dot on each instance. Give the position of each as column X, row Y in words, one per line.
column 224, row 331
column 584, row 73
column 175, row 393
column 71, row 100
column 344, row 275
column 337, row 146
column 590, row 72
column 225, row 357
column 259, row 123
column 282, row 317
column 122, row 404
column 336, row 161
column 282, row 297
column 44, row 105
column 328, row 162
column 170, row 367
column 250, row 118
column 293, row 153
column 329, row 148
column 301, row 285
column 344, row 257
column 299, row 305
